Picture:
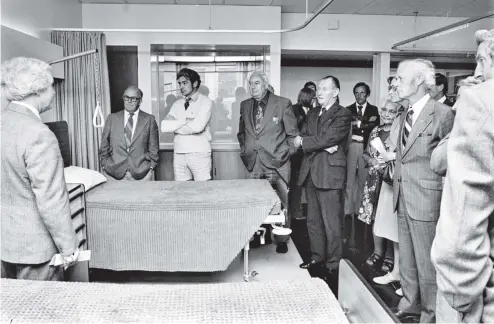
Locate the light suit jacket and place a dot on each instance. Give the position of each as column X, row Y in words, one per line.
column 422, row 188
column 463, row 250
column 35, row 220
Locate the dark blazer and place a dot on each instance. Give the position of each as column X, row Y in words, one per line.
column 274, row 143
column 370, row 120
column 448, row 102
column 143, row 152
column 300, row 115
column 328, row 171
column 413, row 171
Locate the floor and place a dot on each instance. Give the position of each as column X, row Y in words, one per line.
column 357, row 255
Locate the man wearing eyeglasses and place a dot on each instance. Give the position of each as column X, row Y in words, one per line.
column 130, row 143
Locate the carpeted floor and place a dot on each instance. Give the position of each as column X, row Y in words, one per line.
column 357, row 255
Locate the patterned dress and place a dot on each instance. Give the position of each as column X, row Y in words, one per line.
column 372, row 187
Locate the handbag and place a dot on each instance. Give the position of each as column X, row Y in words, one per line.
column 389, row 172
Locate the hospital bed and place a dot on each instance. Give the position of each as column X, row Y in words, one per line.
column 172, row 226
column 298, row 301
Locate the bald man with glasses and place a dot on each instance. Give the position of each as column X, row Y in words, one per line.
column 130, row 143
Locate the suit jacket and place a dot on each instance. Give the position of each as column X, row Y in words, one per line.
column 422, row 187
column 463, row 249
column 143, row 152
column 274, row 143
column 300, row 115
column 328, row 171
column 448, row 102
column 36, row 220
column 370, row 119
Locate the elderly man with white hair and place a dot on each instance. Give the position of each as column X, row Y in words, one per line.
column 36, row 222
column 463, row 250
column 416, row 188
column 266, row 133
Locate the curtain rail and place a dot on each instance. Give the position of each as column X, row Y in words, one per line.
column 71, row 57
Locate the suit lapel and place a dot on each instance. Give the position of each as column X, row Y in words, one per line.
column 120, row 127
column 313, row 122
column 249, row 115
column 424, row 119
column 141, row 122
column 271, row 108
column 327, row 115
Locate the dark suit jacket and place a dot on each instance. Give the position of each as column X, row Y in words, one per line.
column 370, row 120
column 143, row 152
column 328, row 171
column 274, row 143
column 413, row 172
column 448, row 102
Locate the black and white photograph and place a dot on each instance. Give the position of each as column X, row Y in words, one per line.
column 247, row 161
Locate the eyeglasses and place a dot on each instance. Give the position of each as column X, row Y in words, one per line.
column 131, row 99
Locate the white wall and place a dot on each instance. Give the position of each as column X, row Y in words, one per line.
column 38, row 17
column 294, row 78
column 375, row 33
column 185, row 17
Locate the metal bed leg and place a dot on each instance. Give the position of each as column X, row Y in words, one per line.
column 247, row 275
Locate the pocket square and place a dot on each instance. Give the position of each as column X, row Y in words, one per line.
column 373, row 119
column 276, row 120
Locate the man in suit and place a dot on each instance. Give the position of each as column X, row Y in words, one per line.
column 267, row 128
column 130, row 141
column 36, row 220
column 189, row 119
column 416, row 188
column 323, row 175
column 365, row 118
column 463, row 250
column 439, row 90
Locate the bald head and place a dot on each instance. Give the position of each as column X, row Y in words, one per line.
column 132, row 98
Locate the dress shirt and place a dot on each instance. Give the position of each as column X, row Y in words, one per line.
column 442, row 100
column 363, row 107
column 134, row 119
column 33, row 110
column 418, row 106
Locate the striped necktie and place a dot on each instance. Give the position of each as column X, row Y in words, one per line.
column 259, row 117
column 128, row 129
column 408, row 127
column 187, row 103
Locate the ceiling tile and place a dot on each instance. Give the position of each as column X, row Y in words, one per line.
column 347, row 7
column 297, row 6
column 477, row 8
column 435, row 7
column 249, row 2
column 383, row 7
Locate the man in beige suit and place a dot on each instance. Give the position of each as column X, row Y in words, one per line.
column 416, row 188
column 35, row 220
column 463, row 250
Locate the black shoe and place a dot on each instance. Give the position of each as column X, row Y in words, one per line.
column 401, row 316
column 310, row 265
column 282, row 248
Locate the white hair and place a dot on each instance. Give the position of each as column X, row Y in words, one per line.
column 263, row 76
column 22, row 77
column 425, row 68
column 486, row 36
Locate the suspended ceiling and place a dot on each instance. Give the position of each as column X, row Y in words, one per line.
column 439, row 8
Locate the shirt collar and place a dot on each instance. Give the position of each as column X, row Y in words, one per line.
column 31, row 108
column 194, row 96
column 363, row 106
column 419, row 105
column 264, row 100
column 127, row 114
column 442, row 100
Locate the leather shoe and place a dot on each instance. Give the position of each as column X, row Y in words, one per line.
column 310, row 264
column 401, row 315
column 282, row 248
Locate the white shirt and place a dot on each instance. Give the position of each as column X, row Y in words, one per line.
column 305, row 109
column 418, row 106
column 134, row 119
column 34, row 110
column 191, row 126
column 442, row 100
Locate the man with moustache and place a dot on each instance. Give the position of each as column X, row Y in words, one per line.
column 323, row 173
column 416, row 188
column 130, row 141
column 266, row 131
column 189, row 119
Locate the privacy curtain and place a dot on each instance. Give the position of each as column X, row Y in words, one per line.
column 77, row 95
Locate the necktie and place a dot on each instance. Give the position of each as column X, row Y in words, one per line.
column 128, row 129
column 187, row 103
column 408, row 127
column 259, row 117
column 360, row 110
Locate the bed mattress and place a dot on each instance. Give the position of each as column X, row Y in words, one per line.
column 303, row 301
column 174, row 226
